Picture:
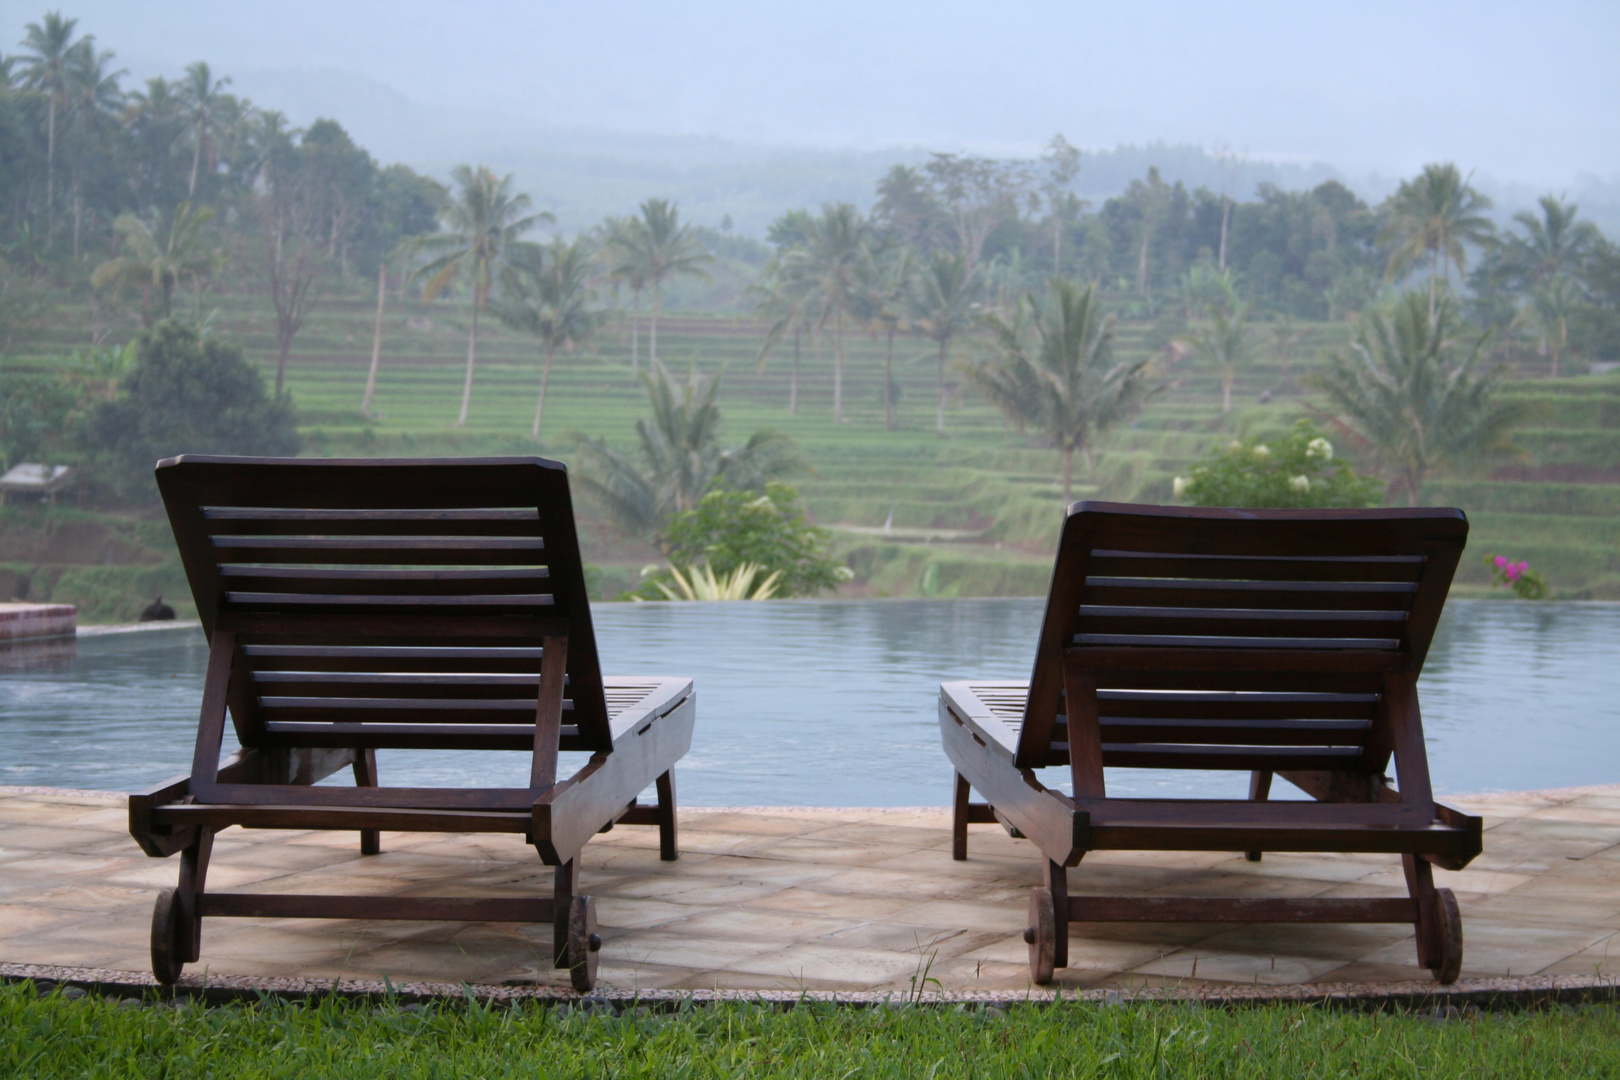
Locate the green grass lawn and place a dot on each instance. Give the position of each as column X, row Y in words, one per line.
column 973, row 511
column 92, row 1037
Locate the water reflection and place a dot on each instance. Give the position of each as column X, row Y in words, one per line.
column 832, row 704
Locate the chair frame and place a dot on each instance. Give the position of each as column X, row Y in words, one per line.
column 1113, row 559
column 325, row 642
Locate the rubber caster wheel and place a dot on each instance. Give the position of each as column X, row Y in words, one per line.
column 1449, row 920
column 584, row 944
column 1041, row 935
column 168, row 951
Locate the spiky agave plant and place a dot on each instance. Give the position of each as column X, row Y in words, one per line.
column 700, row 582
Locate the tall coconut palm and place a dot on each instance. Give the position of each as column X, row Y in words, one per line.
column 482, row 219
column 942, row 306
column 1435, row 214
column 787, row 302
column 1553, row 245
column 1224, row 343
column 882, row 285
column 91, row 109
column 47, row 67
column 682, row 458
column 1417, row 395
column 1052, row 367
column 655, row 248
column 160, row 259
column 203, row 94
column 620, row 245
column 546, row 292
column 829, row 263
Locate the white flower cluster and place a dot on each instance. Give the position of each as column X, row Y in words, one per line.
column 1300, row 483
column 1319, row 448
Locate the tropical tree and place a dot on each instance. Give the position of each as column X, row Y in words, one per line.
column 203, row 94
column 941, row 307
column 1553, row 245
column 159, row 259
column 1435, row 214
column 1053, row 369
column 1224, row 343
column 481, row 220
column 681, row 456
column 1417, row 395
column 828, row 263
column 619, row 243
column 785, row 300
column 546, row 292
column 90, row 110
column 653, row 249
column 882, row 287
column 47, row 67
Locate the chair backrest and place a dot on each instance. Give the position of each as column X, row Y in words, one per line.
column 389, row 602
column 1237, row 639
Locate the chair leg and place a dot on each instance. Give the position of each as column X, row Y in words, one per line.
column 1259, row 791
column 176, row 926
column 668, row 848
column 959, row 819
column 365, row 775
column 567, row 884
column 1437, row 921
column 1056, row 879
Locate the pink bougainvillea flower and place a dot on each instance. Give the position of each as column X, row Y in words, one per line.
column 1501, row 562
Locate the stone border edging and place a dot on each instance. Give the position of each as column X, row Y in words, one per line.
column 1525, row 992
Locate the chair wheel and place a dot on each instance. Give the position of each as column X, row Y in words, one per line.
column 1449, row 920
column 584, row 944
column 167, row 950
column 1041, row 935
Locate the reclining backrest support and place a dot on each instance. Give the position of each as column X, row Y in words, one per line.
column 1239, row 639
column 392, row 604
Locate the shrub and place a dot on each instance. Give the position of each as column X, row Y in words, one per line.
column 728, row 529
column 188, row 395
column 37, row 418
column 1297, row 471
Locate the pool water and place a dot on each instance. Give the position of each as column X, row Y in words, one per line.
column 833, row 703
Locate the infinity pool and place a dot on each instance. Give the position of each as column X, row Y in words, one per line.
column 832, row 703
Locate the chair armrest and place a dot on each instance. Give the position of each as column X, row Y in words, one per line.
column 159, row 841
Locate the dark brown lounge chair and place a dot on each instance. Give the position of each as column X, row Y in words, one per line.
column 352, row 606
column 1279, row 642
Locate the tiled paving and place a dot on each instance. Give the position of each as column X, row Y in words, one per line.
column 793, row 900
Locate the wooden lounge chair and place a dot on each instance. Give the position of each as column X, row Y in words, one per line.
column 1279, row 642
column 352, row 606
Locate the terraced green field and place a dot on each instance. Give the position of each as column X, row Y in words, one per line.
column 974, row 511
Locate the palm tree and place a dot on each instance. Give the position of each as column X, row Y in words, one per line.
column 203, row 94
column 1065, row 381
column 1547, row 261
column 547, row 293
column 481, row 221
column 152, row 260
column 1225, row 343
column 1437, row 214
column 681, row 456
column 829, row 263
column 787, row 301
column 91, row 107
column 882, row 283
column 942, row 306
column 1422, row 401
column 654, row 248
column 47, row 67
column 619, row 246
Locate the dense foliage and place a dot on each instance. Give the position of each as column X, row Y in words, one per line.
column 188, row 395
column 1295, row 471
column 53, row 1037
column 730, row 528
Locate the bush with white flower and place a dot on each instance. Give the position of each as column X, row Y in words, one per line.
column 1296, row 470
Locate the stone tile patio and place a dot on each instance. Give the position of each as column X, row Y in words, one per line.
column 788, row 901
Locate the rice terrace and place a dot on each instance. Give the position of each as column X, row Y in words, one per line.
column 750, row 540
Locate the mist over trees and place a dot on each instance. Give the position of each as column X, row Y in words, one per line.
column 143, row 201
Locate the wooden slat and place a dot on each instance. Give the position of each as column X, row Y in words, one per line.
column 1281, row 595
column 1237, row 680
column 343, row 818
column 380, row 550
column 1278, row 656
column 439, row 602
column 1166, row 641
column 1223, row 813
column 1239, row 622
column 1245, row 758
column 421, row 908
column 414, row 736
column 1192, row 835
column 373, row 581
column 397, row 711
column 1115, row 704
column 380, row 798
column 1350, row 733
column 1237, row 909
column 395, row 685
column 1138, row 564
column 285, row 521
column 372, row 658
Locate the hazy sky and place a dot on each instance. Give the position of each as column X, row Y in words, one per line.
column 1522, row 91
